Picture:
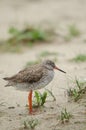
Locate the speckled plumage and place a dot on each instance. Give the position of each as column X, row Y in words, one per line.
column 34, row 77
column 31, row 78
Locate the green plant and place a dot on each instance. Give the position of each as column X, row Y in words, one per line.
column 78, row 91
column 67, row 37
column 74, row 94
column 30, row 124
column 65, row 116
column 51, row 94
column 29, row 63
column 25, row 37
column 73, row 31
column 79, row 58
column 39, row 99
column 47, row 53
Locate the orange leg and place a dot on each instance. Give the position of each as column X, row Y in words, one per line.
column 30, row 102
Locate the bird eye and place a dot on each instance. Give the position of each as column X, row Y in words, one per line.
column 53, row 64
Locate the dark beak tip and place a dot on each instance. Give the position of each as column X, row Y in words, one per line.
column 63, row 72
column 60, row 70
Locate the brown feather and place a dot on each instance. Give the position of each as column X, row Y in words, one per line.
column 29, row 75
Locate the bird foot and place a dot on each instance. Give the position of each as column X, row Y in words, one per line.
column 33, row 112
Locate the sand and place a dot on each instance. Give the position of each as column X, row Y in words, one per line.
column 58, row 14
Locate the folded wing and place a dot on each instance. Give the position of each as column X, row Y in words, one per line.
column 28, row 75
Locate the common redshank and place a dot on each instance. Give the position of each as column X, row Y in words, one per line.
column 32, row 78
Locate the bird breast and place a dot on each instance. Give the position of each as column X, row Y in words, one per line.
column 50, row 75
column 46, row 79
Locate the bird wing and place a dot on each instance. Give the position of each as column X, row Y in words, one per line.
column 29, row 75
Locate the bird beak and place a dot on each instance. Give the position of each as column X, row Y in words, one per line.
column 59, row 69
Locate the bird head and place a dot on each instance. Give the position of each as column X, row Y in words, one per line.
column 51, row 65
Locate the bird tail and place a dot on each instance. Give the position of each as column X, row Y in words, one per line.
column 9, row 82
column 6, row 78
column 7, row 85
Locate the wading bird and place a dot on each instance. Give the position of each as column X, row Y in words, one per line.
column 32, row 78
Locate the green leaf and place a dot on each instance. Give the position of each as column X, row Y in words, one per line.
column 13, row 31
column 37, row 97
column 43, row 98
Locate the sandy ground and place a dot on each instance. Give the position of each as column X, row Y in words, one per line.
column 55, row 13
